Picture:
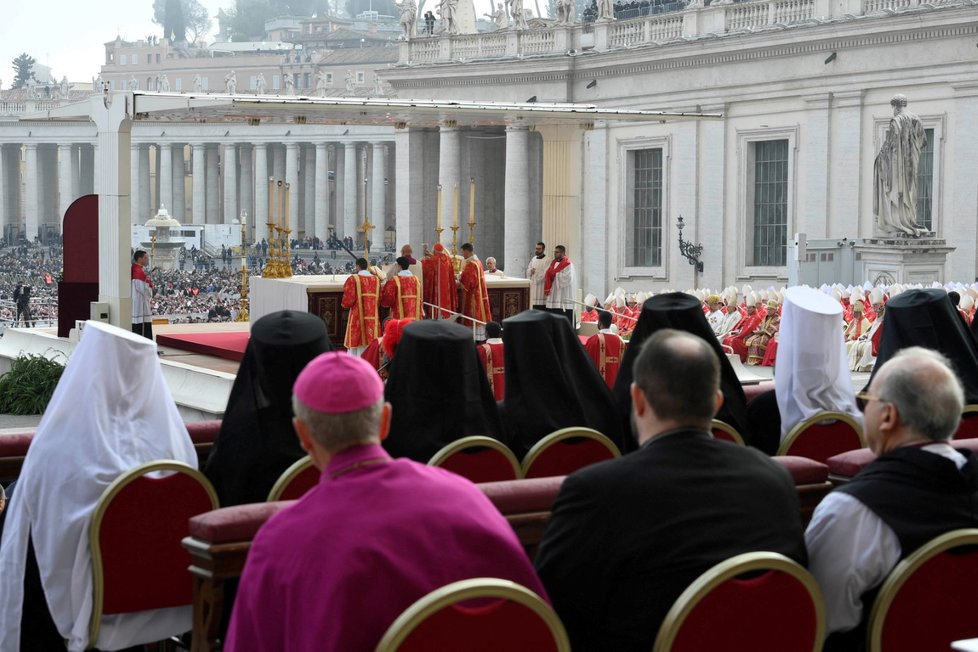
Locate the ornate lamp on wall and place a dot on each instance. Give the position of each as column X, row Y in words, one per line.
column 690, row 251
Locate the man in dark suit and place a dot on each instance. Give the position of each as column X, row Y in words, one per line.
column 627, row 536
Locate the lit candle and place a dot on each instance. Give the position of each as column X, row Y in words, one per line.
column 287, row 207
column 471, row 199
column 456, row 205
column 271, row 199
column 438, row 223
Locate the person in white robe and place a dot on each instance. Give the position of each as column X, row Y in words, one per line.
column 111, row 411
column 811, row 373
column 536, row 272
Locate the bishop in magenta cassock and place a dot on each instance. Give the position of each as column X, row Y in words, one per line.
column 334, row 570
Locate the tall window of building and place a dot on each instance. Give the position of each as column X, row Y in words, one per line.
column 925, row 183
column 770, row 203
column 149, row 58
column 307, row 80
column 178, row 84
column 276, row 82
column 205, row 83
column 360, row 77
column 643, row 238
column 122, row 59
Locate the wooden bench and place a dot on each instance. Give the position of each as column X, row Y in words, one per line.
column 14, row 445
column 219, row 540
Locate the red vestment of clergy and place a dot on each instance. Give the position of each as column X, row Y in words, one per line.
column 875, row 339
column 744, row 329
column 495, row 367
column 605, row 351
column 475, row 297
column 402, row 297
column 589, row 316
column 361, row 295
column 439, row 283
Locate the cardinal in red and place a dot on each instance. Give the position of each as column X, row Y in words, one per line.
column 439, row 283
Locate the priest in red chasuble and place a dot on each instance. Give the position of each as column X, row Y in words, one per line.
column 402, row 293
column 493, row 358
column 439, row 283
column 475, row 297
column 361, row 296
column 606, row 349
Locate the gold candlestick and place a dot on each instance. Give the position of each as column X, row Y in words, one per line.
column 366, row 228
column 472, row 210
column 243, row 312
column 287, row 268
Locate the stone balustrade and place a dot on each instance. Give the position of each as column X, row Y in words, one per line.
column 721, row 17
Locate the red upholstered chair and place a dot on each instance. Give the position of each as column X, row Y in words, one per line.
column 477, row 615
column 295, row 481
column 203, row 434
column 929, row 598
column 968, row 428
column 755, row 602
column 478, row 458
column 567, row 450
column 723, row 430
column 138, row 563
column 823, row 435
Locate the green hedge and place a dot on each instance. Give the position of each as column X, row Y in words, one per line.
column 28, row 386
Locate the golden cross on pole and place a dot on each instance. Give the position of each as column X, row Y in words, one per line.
column 366, row 228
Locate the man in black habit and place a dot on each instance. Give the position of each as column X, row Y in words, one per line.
column 682, row 312
column 627, row 536
column 551, row 382
column 438, row 391
column 257, row 442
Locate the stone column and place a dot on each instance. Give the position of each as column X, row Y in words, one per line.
column 145, row 200
column 962, row 189
column 114, row 137
column 179, row 210
column 378, row 191
column 449, row 175
column 309, row 224
column 165, row 174
column 87, row 165
column 350, row 185
column 31, row 177
column 75, row 171
column 247, row 199
column 516, row 224
column 845, row 166
column 261, row 191
column 230, row 170
column 64, row 180
column 292, row 179
column 212, row 202
column 198, row 179
column 814, row 218
column 135, row 194
column 561, row 202
column 321, row 188
column 410, row 216
column 594, row 262
column 5, row 193
column 278, row 162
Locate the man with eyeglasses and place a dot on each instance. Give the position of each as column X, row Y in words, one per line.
column 918, row 488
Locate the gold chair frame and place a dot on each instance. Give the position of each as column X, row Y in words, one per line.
column 476, row 441
column 727, row 428
column 102, row 505
column 288, row 475
column 903, row 571
column 470, row 589
column 827, row 415
column 562, row 434
column 729, row 569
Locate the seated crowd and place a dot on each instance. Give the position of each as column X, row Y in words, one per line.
column 625, row 537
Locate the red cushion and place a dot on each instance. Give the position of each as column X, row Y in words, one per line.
column 300, row 484
column 15, row 444
column 231, row 524
column 481, row 626
column 940, row 596
column 481, row 464
column 523, row 496
column 803, row 470
column 820, row 441
column 140, row 543
column 848, row 464
column 772, row 612
column 204, row 432
column 568, row 455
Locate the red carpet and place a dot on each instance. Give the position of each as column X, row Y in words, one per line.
column 229, row 345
